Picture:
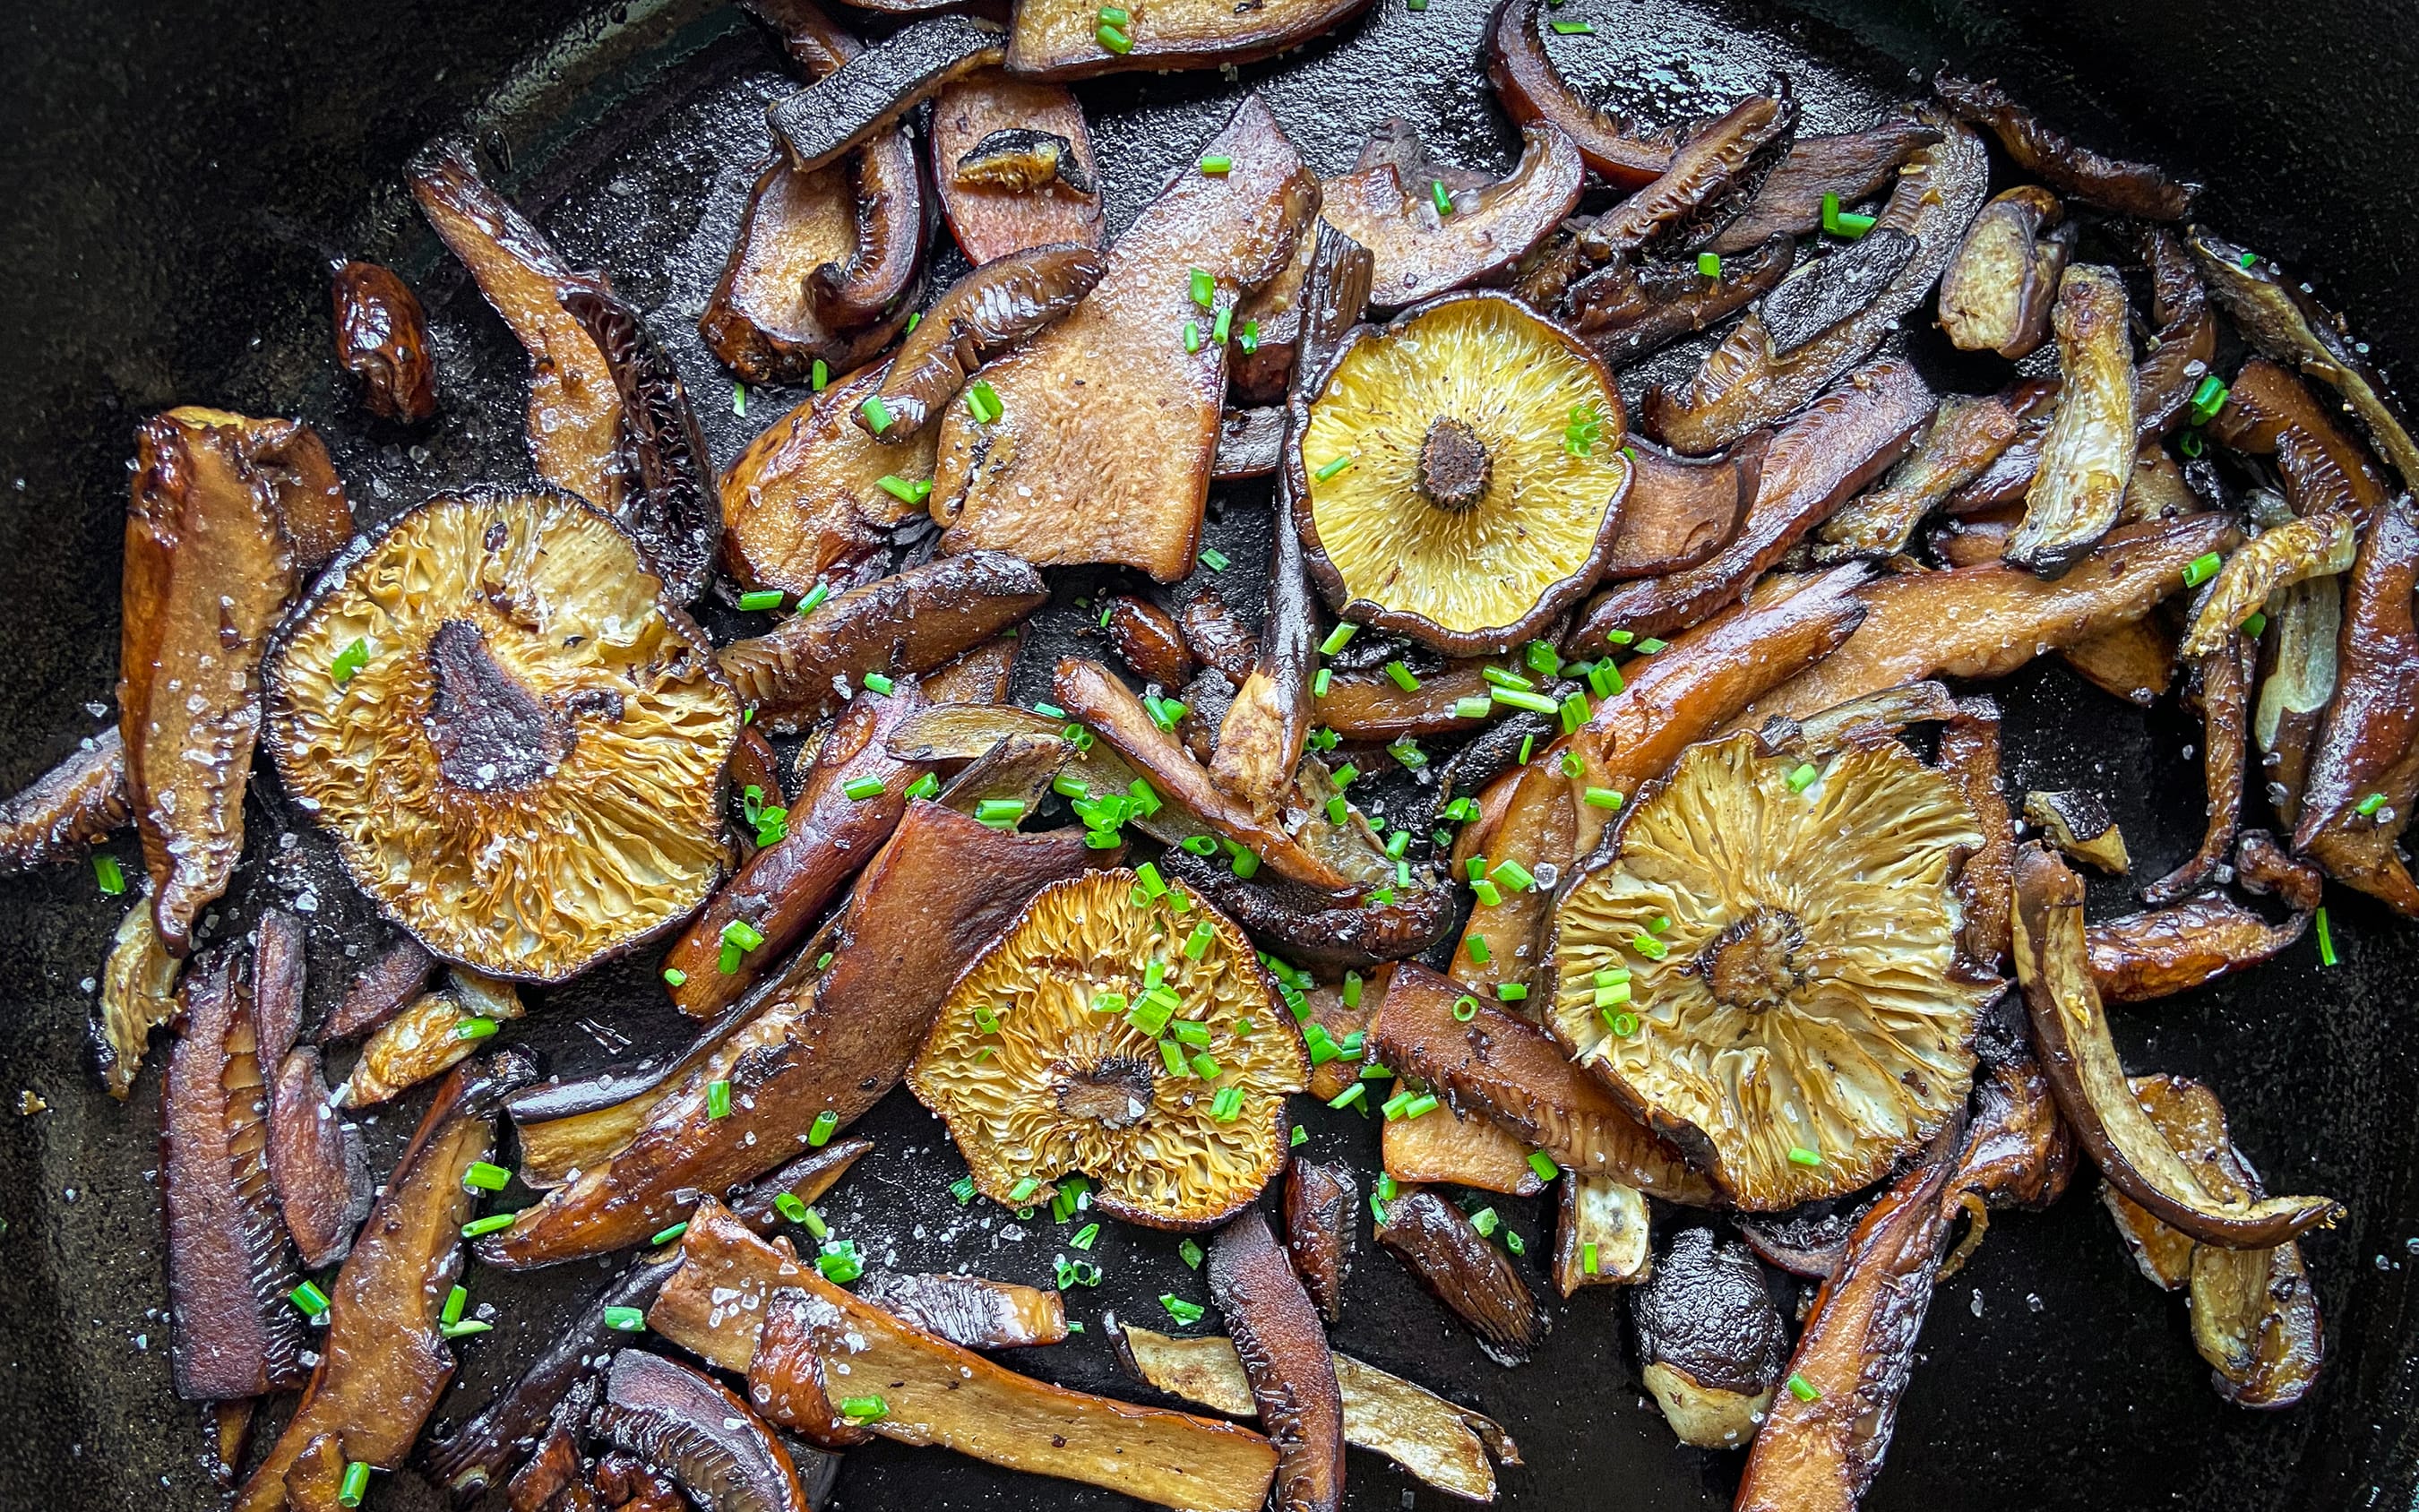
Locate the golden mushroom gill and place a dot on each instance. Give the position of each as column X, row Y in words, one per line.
column 1059, row 1051
column 1790, row 939
column 1477, row 468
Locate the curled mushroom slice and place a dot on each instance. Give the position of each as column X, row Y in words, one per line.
column 68, row 808
column 2145, row 956
column 1629, row 310
column 2185, row 339
column 2269, row 413
column 1473, row 1279
column 2078, row 823
column 1310, row 926
column 2087, row 455
column 1713, row 173
column 1710, row 1342
column 2111, row 183
column 2053, row 963
column 1283, row 1347
column 1147, row 640
column 720, row 1452
column 1680, row 511
column 427, row 1038
column 809, row 503
column 1061, row 38
column 1322, row 1205
column 972, row 1306
column 2297, row 681
column 1447, row 1145
column 2364, row 772
column 138, row 994
column 382, row 339
column 1423, row 251
column 1848, row 168
column 2314, row 546
column 764, row 320
column 669, row 508
column 1966, row 435
column 1996, row 294
column 1600, row 1234
column 2221, row 688
column 993, row 308
column 990, row 216
column 392, row 981
column 869, row 93
column 1531, row 89
column 2018, row 1151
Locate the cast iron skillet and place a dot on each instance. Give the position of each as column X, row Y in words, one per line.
column 181, row 175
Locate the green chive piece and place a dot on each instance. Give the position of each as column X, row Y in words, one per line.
column 1344, row 775
column 669, row 1235
column 487, row 1224
column 879, row 683
column 1620, row 637
column 1573, row 29
column 1336, row 810
column 1437, row 195
column 742, row 934
column 822, row 374
column 1190, row 1253
column 898, row 487
column 629, row 1319
column 1421, row 1106
column 1487, row 892
column 309, row 1300
column 1205, row 288
column 1512, row 875
column 456, row 1301
column 924, row 787
column 474, row 1027
column 982, row 401
column 1115, row 16
column 717, row 1099
column 789, row 1206
column 1576, row 712
column 1485, row 1220
column 962, row 1189
column 1217, row 164
column 814, row 598
column 1393, row 1108
column 1300, row 1137
column 864, row 1408
column 1185, row 1313
column 1709, row 264
column 1513, row 1242
column 1472, row 708
column 1800, row 1155
column 877, row 415
column 824, row 960
column 1192, row 335
column 1085, row 1237
column 2326, row 939
column 1650, row 645
column 1602, row 798
column 1408, row 756
column 1242, row 862
column 111, row 876
column 1621, row 1023
column 1250, row 338
column 1206, row 1068
column 1477, row 948
column 1511, row 991
column 1356, row 1094
column 1334, row 467
column 2368, row 806
column 1402, row 676
column 840, row 1261
column 760, row 599
column 1113, row 40
column 860, row 788
column 1803, row 1389
column 1502, row 678
column 914, row 321
column 1605, row 678
column 1000, row 813
column 1223, row 326
column 818, row 1132
column 1339, row 638
column 1215, row 559
column 738, row 397
column 1196, row 945
column 1649, row 947
column 1571, row 765
column 2256, row 622
column 1588, row 1259
column 2201, row 568
column 1803, row 778
column 355, row 1485
column 1022, row 1192
column 485, row 1176
column 2207, row 400
column 1518, row 699
column 1544, row 1165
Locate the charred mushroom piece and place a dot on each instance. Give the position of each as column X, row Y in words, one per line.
column 993, row 308
column 314, row 1158
column 1849, row 168
column 1996, row 293
column 2087, row 456
column 1970, row 753
column 1713, row 173
column 1322, row 1204
column 1966, row 435
column 2317, row 547
column 1422, row 251
column 1831, row 288
column 1283, row 1347
column 2111, row 183
column 1710, row 1342
column 382, row 339
column 68, row 808
column 1022, row 157
column 1600, row 1235
column 805, row 1179
column 2173, row 950
column 1251, row 443
column 388, row 985
column 870, row 92
column 138, row 994
column 970, row 1307
column 1053, row 477
column 1147, row 640
column 1793, row 1016
column 721, row 1453
column 2053, row 963
column 517, row 745
column 1464, row 1149
column 1531, row 89
column 2269, row 413
column 2366, row 749
column 1630, row 309
column 2221, row 689
column 1060, row 39
column 805, row 506
column 769, row 320
column 991, row 216
column 2079, row 823
column 1116, row 1047
column 1437, row 500
column 1474, row 1280
column 669, row 508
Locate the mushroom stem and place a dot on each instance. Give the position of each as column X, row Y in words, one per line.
column 1752, row 965
column 1454, row 468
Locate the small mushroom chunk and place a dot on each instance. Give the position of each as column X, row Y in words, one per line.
column 764, row 320
column 1966, row 435
column 1463, row 1150
column 2087, row 455
column 68, row 808
column 138, row 994
column 1531, row 89
column 1284, row 1350
column 1322, row 1205
column 382, row 339
column 1713, row 173
column 869, row 93
column 392, row 981
column 998, row 201
column 669, row 508
column 2164, row 951
column 992, row 308
column 720, row 1452
column 1996, row 292
column 1710, row 1342
column 1251, row 443
column 1849, row 168
column 1420, row 476
column 1473, row 1279
column 2113, row 184
column 1061, row 38
column 1630, row 309
column 1389, row 204
column 429, row 1038
column 2221, row 688
column 809, row 503
column 1147, row 640
column 1600, row 1235
column 2319, row 545
column 2079, row 823
column 972, row 1306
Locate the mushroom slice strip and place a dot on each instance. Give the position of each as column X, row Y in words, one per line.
column 1095, row 1035
column 1791, row 1016
column 382, row 1361
column 575, row 409
column 1283, row 1347
column 1322, row 1203
column 2054, row 963
column 1996, row 292
column 1833, row 287
column 427, row 1040
column 1251, row 443
column 1447, row 1145
column 1422, row 251
column 1966, row 434
column 1509, row 1070
column 2110, row 183
column 1842, row 441
column 68, row 808
column 1713, row 173
column 1053, row 477
column 815, row 1050
column 138, row 994
column 388, row 985
column 1709, row 1340
column 804, row 1179
column 2317, row 546
column 881, row 1373
column 970, row 1307
column 1504, row 943
column 773, row 313
column 316, row 1158
column 230, row 1265
column 210, row 569
column 1970, row 753
column 1848, row 168
column 722, row 1454
column 2186, row 338
column 1309, row 926
column 1420, row 475
column 382, row 339
column 1823, row 1440
column 564, row 1128
column 1630, row 309
column 1680, row 510
column 671, row 509
column 2167, row 950
column 869, row 93
column 1531, row 89
column 1147, row 640
column 993, row 308
column 2087, row 456
column 2078, row 823
column 908, row 623
column 1600, row 1236
column 2297, row 681
column 2220, row 687
column 515, row 744
column 2269, row 413
column 993, row 216
column 1474, row 1280
column 809, row 503
column 2018, row 1151
column 1060, row 39
column 1441, row 1443
column 1859, row 721
column 2287, row 325
column 1749, row 380
column 1986, row 620
column 2365, row 771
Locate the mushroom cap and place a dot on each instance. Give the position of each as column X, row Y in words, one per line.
column 1506, row 531
column 1057, row 1086
column 1803, row 994
column 526, row 771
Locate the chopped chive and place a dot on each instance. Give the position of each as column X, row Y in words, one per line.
column 1205, row 288
column 1709, row 264
column 1250, row 339
column 1803, row 1389
column 1437, row 196
column 2368, row 806
column 717, row 1099
column 1152, row 882
column 1344, row 775
column 1192, row 335
column 1487, row 892
column 742, row 934
column 1513, row 1242
column 924, row 787
column 738, row 398
column 1518, row 699
column 789, row 1206
column 630, row 1320
column 1085, row 1237
column 879, row 683
column 824, row 960
column 912, row 321
column 1402, row 676
column 1000, row 813
column 456, row 1301
column 822, row 374
column 1190, row 1032
column 1393, row 1108
column 877, row 415
column 1113, row 40
column 814, row 598
column 860, row 788
column 760, row 599
column 1573, row 29
column 1800, row 1155
column 1114, row 15
column 2189, row 442
column 1603, row 798
column 1335, row 466
column 1299, row 1136
column 1803, row 776
column 1217, row 163
column 1512, row 874
column 350, row 661
column 1542, row 658
column 1651, row 645
column 1215, row 559
column 1485, row 1220
column 308, row 1300
column 864, row 1408
column 2201, row 568
column 906, row 492
column 2207, row 400
column 1575, row 711
column 1196, row 945
column 1190, row 1253
column 669, row 1235
column 1544, row 1165
column 962, row 1189
column 1421, row 1105
column 818, row 1132
column 1612, row 994
column 2326, row 939
column 1408, row 756
column 1840, row 223
column 1511, row 991
column 1622, row 1021
column 840, row 1261
column 485, row 1176
column 1022, row 1192
column 487, row 1224
column 1605, row 678
column 1587, row 1258
column 982, row 401
column 474, row 1027
column 111, row 876
column 1355, row 1094
column 1242, row 862
column 1221, row 328
column 355, row 1485
column 1472, row 708
column 2256, row 622
column 1649, row 947
column 1502, row 678
column 1185, row 1313
column 1339, row 638
column 1477, row 948
column 1336, row 810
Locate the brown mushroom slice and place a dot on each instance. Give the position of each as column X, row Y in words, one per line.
column 1850, row 167
column 1474, row 1280
column 392, row 981
column 2018, row 1151
column 68, row 808
column 1262, row 368
column 2269, row 413
column 1420, row 252
column 1986, row 620
column 905, row 1384
column 1462, row 1149
column 138, row 994
column 908, row 623
column 382, row 339
column 1250, row 442
column 1504, row 943
column 2297, row 681
column 2221, row 687
column 804, row 505
column 564, row 1128
column 2185, row 340
column 1056, row 479
column 1966, row 434
column 972, row 1306
column 2111, row 183
column 1600, row 1234
column 1278, row 1338
column 517, row 745
column 2079, row 823
column 382, row 1363
column 1995, row 293
column 1500, row 1065
column 1060, row 39
column 1531, row 89
column 1821, row 1445
column 210, row 569
column 721, row 1454
column 1309, row 926
column 427, row 1040
column 669, row 507
column 764, row 320
column 992, row 219
column 2053, row 963
column 1146, row 639
column 1713, row 172
column 230, row 1265
column 2317, row 546
column 1859, row 721
column 814, row 1043
column 1970, row 753
column 1680, row 511
column 805, row 1179
column 994, row 307
column 1710, row 1342
column 575, row 409
column 2164, row 951
column 2363, row 776
column 2280, row 319
column 870, row 92
column 785, row 1377
column 1630, row 309
column 1842, row 441
column 1322, row 1204
column 322, row 1184
column 2087, row 455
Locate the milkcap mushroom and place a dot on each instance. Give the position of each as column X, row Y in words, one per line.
column 1122, row 1028
column 1457, row 474
column 1763, row 965
column 516, row 744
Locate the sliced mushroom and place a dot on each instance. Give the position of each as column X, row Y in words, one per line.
column 989, row 309
column 1462, row 1149
column 805, row 1179
column 1531, row 89
column 1680, row 511
column 1147, row 640
column 1423, row 251
column 2221, row 687
column 992, row 213
column 138, row 994
column 2173, row 950
column 1309, row 926
column 1833, row 287
column 1600, row 1235
column 382, row 339
column 722, row 1455
column 1996, row 294
column 2087, row 455
column 809, row 503
column 1061, row 38
column 2111, row 183
column 2018, row 1151
column 1262, row 368
column 2297, row 681
column 1474, row 1280
column 1970, row 753
column 2079, row 823
column 869, row 93
column 1322, row 1204
column 1713, row 173
column 1966, row 434
column 1849, row 168
column 768, row 320
column 1630, row 309
column 2181, row 349
column 68, row 808
column 1055, row 479
column 389, row 984
column 427, row 1038
column 971, row 1306
column 2269, row 413
column 2317, row 546
column 314, row 1158
column 1505, row 942
column 669, row 507
column 1283, row 1347
column 1710, row 1342
column 2364, row 774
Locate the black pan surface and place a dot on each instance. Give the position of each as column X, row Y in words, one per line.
column 179, row 180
